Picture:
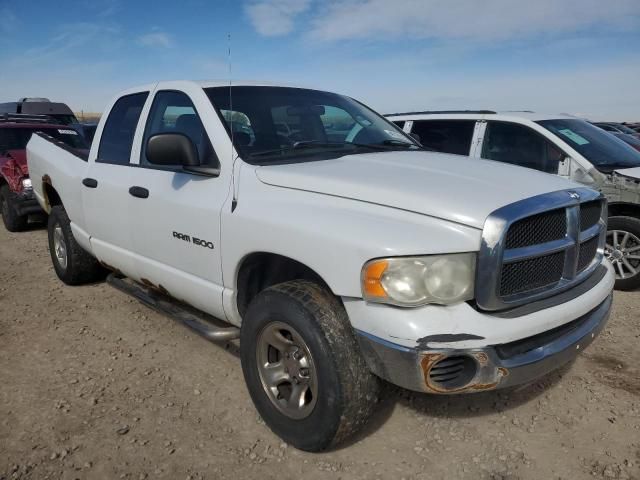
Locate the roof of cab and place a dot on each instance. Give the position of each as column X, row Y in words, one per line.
column 480, row 114
column 206, row 84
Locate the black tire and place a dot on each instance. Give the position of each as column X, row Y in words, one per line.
column 81, row 267
column 12, row 221
column 632, row 226
column 347, row 390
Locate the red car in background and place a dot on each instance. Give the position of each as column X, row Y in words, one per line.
column 17, row 201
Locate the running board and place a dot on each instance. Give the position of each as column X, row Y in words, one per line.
column 198, row 321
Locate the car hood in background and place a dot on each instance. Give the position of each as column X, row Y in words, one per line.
column 452, row 187
column 629, row 172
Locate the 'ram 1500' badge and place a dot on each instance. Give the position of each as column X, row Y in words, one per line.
column 193, row 240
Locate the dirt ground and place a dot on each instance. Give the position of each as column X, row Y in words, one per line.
column 94, row 385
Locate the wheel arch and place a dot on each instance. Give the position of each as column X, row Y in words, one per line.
column 260, row 270
column 50, row 194
column 624, row 209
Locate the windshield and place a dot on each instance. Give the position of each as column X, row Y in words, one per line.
column 17, row 138
column 603, row 150
column 625, row 129
column 64, row 119
column 279, row 124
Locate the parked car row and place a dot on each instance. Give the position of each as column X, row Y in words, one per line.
column 336, row 247
column 17, row 201
column 558, row 144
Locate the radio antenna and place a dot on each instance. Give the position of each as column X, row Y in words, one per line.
column 230, row 95
column 234, row 200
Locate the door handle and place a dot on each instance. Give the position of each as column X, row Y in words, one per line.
column 139, row 192
column 90, row 182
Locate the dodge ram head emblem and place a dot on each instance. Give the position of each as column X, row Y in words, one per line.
column 574, row 195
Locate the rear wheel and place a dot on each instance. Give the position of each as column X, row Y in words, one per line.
column 73, row 265
column 303, row 367
column 12, row 221
column 623, row 250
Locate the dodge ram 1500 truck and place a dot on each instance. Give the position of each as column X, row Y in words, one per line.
column 331, row 244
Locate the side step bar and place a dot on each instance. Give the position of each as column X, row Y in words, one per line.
column 202, row 323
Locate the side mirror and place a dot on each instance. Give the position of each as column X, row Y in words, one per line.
column 172, row 149
column 415, row 136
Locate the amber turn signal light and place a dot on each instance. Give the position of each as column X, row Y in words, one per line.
column 371, row 278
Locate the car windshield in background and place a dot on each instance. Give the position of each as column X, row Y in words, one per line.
column 603, row 150
column 279, row 124
column 625, row 129
column 17, row 138
column 64, row 119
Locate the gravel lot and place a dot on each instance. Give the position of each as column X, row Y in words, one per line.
column 94, row 385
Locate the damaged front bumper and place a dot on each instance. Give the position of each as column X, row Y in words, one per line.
column 488, row 368
column 25, row 203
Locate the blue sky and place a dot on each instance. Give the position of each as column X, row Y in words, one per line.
column 574, row 56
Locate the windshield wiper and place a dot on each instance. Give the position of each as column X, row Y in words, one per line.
column 402, row 143
column 317, row 144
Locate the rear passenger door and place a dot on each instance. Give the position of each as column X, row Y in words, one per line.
column 446, row 136
column 520, row 145
column 105, row 189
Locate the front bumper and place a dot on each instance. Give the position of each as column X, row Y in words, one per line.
column 495, row 366
column 423, row 367
column 25, row 203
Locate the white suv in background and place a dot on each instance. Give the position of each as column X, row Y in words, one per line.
column 558, row 144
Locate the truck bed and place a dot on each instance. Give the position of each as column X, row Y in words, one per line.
column 55, row 164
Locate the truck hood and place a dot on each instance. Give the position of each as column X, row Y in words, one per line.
column 629, row 172
column 452, row 187
column 19, row 158
column 14, row 168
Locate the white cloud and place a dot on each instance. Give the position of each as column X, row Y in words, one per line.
column 275, row 17
column 155, row 39
column 601, row 91
column 487, row 20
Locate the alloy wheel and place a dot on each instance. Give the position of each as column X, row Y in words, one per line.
column 287, row 370
column 623, row 250
column 60, row 246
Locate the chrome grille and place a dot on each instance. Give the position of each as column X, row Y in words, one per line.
column 540, row 246
column 541, row 228
column 588, row 251
column 531, row 274
column 590, row 213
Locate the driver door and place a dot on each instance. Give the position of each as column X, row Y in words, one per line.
column 177, row 214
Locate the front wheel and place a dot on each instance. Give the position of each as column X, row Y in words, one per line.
column 303, row 367
column 623, row 250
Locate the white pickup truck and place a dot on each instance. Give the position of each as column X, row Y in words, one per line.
column 331, row 244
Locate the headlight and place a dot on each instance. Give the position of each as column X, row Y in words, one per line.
column 26, row 183
column 415, row 281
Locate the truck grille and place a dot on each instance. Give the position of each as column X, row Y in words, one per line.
column 588, row 251
column 539, row 246
column 531, row 274
column 590, row 213
column 540, row 228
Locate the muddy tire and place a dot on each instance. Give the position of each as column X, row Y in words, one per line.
column 303, row 366
column 73, row 265
column 12, row 221
column 623, row 250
